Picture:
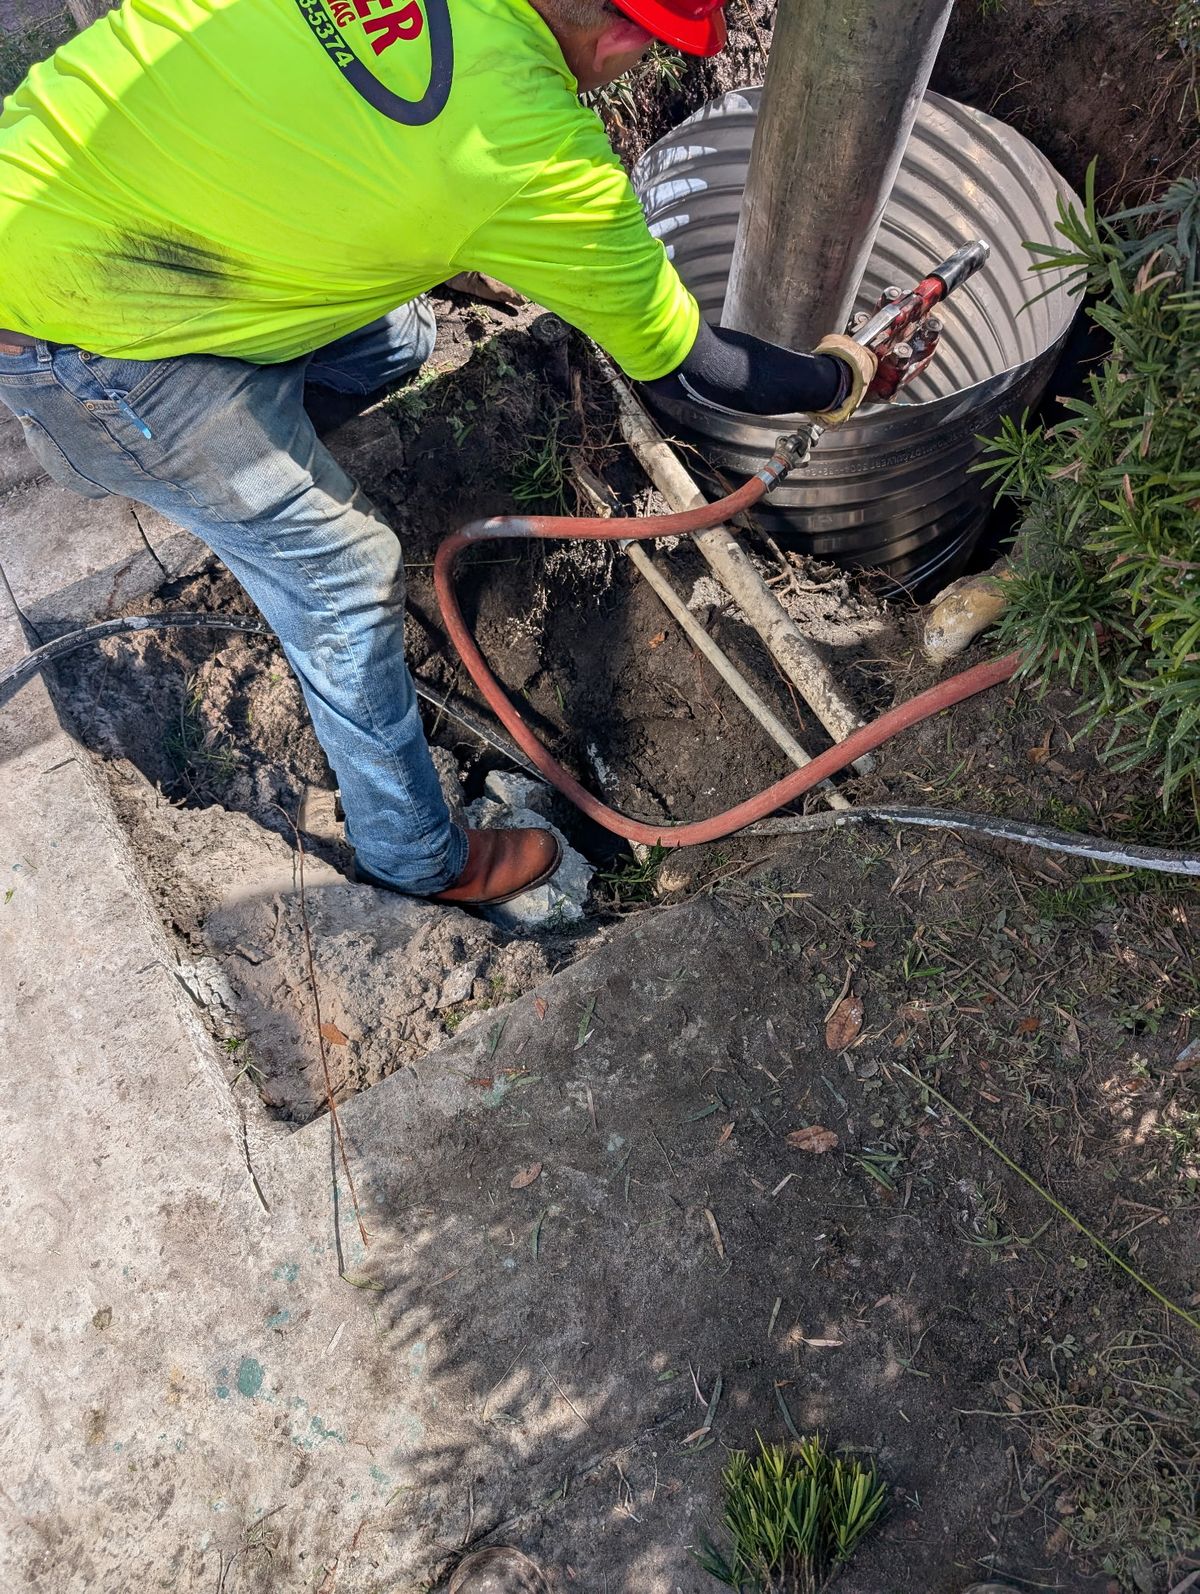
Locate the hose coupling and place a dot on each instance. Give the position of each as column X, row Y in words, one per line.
column 793, row 450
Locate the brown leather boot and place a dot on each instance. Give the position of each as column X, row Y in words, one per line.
column 500, row 865
column 503, row 863
column 500, row 1570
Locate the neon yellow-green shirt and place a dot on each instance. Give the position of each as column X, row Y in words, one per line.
column 259, row 177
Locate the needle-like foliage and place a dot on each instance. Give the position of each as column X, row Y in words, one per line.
column 1106, row 592
column 794, row 1515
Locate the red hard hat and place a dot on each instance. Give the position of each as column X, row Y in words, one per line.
column 694, row 26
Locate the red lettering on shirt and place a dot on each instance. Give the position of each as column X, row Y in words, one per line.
column 407, row 23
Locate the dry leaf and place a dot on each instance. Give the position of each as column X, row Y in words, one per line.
column 657, row 641
column 815, row 1138
column 725, row 1134
column 539, row 1006
column 715, row 1232
column 526, row 1176
column 1029, row 1026
column 1189, row 1055
column 333, row 1034
column 823, row 1344
column 483, row 1081
column 845, row 1024
column 1013, row 1402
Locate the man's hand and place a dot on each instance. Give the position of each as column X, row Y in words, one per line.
column 862, row 364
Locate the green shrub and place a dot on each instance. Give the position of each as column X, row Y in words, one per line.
column 1106, row 588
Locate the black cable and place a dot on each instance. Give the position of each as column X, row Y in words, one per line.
column 12, row 679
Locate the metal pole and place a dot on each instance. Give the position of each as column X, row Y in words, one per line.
column 843, row 83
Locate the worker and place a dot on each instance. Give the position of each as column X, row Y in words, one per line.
column 207, row 204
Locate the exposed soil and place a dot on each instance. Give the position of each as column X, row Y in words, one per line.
column 1084, row 79
column 1108, row 79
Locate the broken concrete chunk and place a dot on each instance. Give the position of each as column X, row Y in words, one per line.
column 707, row 597
column 206, row 983
column 561, row 900
column 458, row 985
column 518, row 791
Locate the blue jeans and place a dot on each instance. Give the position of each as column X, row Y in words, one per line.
column 225, row 448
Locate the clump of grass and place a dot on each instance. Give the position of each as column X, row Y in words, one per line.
column 635, row 882
column 618, row 104
column 1185, row 26
column 1106, row 590
column 199, row 762
column 794, row 1515
column 540, row 474
column 1123, row 1435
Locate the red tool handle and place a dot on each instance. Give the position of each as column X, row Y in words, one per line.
column 892, row 324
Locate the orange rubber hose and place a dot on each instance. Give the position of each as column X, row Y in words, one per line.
column 944, row 695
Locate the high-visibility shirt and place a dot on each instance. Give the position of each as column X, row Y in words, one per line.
column 259, row 177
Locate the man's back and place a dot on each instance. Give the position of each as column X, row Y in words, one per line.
column 258, row 177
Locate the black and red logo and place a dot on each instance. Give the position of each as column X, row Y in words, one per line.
column 384, row 23
column 383, row 28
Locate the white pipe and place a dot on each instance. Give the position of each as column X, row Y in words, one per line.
column 733, row 567
column 728, row 671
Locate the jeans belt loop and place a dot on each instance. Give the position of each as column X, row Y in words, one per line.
column 43, row 352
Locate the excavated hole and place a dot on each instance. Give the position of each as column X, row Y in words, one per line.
column 211, row 761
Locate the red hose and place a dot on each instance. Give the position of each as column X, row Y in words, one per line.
column 944, row 695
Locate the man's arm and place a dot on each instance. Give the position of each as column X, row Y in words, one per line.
column 744, row 373
column 574, row 239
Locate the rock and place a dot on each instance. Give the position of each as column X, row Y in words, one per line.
column 707, row 597
column 518, row 791
column 561, row 900
column 458, row 985
column 962, row 611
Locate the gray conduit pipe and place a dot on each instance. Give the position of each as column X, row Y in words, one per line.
column 1099, row 849
column 732, row 565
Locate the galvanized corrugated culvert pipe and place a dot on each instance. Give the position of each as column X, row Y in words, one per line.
column 891, row 490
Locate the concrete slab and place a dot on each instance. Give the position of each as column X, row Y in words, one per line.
column 142, row 1268
column 71, row 560
column 210, row 1382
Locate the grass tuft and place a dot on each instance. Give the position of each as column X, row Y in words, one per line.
column 635, row 881
column 1121, row 1430
column 794, row 1515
